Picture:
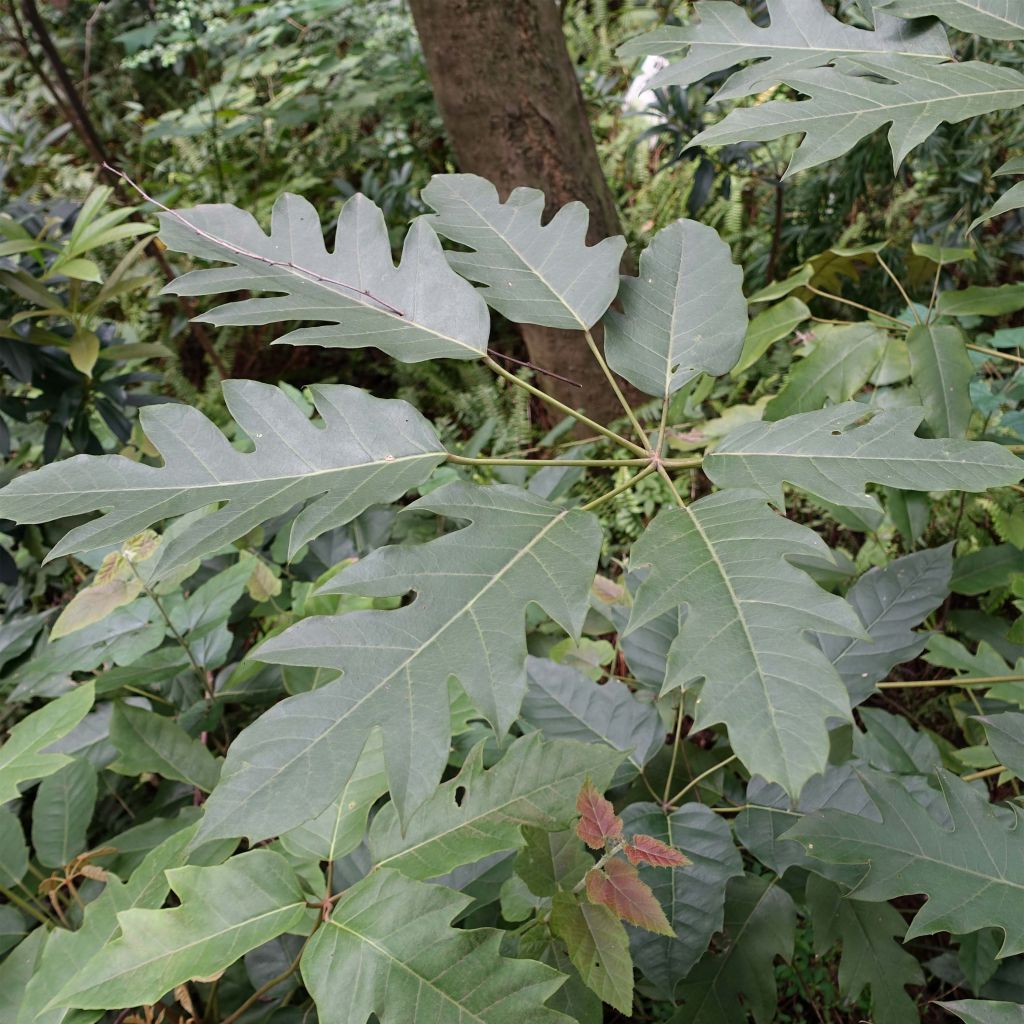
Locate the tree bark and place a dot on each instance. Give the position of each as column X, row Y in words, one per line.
column 514, row 114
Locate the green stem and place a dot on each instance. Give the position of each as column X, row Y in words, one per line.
column 618, row 490
column 995, row 353
column 606, row 370
column 693, row 783
column 986, row 774
column 563, row 408
column 28, row 908
column 600, row 863
column 663, row 473
column 463, row 460
column 675, row 751
column 910, row 684
column 856, row 305
column 896, row 281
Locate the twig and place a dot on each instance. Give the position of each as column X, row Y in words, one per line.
column 676, row 737
column 899, row 284
column 856, row 305
column 995, row 353
column 622, row 488
column 606, row 370
column 910, row 684
column 986, row 774
column 465, row 460
column 533, row 366
column 699, row 779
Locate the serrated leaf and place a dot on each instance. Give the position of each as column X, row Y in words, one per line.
column 22, row 757
column 598, row 824
column 724, row 560
column 420, row 310
column 996, row 19
column 148, row 742
column 369, row 450
column 739, row 977
column 890, row 600
column 62, row 811
column 531, row 273
column 942, row 372
column 801, row 34
column 473, row 587
column 986, row 1011
column 645, row 849
column 842, row 362
column 389, row 949
column 574, row 998
column 834, row 453
column 1005, row 734
column 598, row 947
column 684, row 315
column 693, row 896
column 225, row 911
column 617, row 886
column 479, row 812
column 865, row 933
column 972, row 873
column 845, row 108
column 565, row 704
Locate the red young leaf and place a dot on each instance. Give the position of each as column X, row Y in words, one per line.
column 598, row 820
column 648, row 850
column 619, row 887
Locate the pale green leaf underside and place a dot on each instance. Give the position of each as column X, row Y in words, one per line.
column 478, row 813
column 801, row 35
column 684, row 315
column 533, row 274
column 833, row 455
column 996, row 19
column 62, row 811
column 421, row 310
column 972, row 872
column 225, row 911
column 845, row 108
column 21, row 757
column 942, row 372
column 472, row 589
column 723, row 561
column 368, row 450
column 389, row 949
column 984, row 1011
column 1005, row 734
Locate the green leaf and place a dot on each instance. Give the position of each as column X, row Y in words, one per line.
column 13, row 849
column 421, row 310
column 942, row 372
column 890, row 600
column 738, row 978
column 478, row 813
column 550, row 861
column 389, row 949
column 983, row 1011
column 724, row 560
column 473, row 587
column 834, row 453
column 772, row 325
column 996, row 19
column 890, row 743
column 684, row 315
column 22, row 758
column 972, row 873
column 564, row 704
column 986, row 569
column 532, row 274
column 1012, row 199
column 369, row 450
column 845, row 108
column 17, row 970
column 148, row 742
column 870, row 958
column 13, row 928
column 693, row 897
column 979, row 301
column 598, row 948
column 1005, row 734
column 801, row 35
column 62, row 811
column 225, row 911
column 843, row 360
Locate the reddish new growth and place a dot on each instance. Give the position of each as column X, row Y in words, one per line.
column 648, row 850
column 618, row 887
column 598, row 822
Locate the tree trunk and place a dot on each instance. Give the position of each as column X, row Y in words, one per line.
column 514, row 114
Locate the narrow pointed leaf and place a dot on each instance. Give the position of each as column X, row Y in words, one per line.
column 23, row 758
column 62, row 811
column 724, row 561
column 478, row 813
column 369, row 450
column 995, row 19
column 684, row 315
column 13, row 849
column 986, row 1011
column 1011, row 199
column 389, row 949
column 977, row 300
column 942, row 372
column 598, row 824
column 617, row 886
column 801, row 34
column 531, row 274
column 771, row 325
column 972, row 872
column 473, row 587
column 835, row 453
column 225, row 911
column 845, row 108
column 420, row 310
column 693, row 895
column 1005, row 734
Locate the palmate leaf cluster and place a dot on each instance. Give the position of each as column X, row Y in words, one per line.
column 442, row 816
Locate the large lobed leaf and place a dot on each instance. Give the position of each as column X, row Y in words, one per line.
column 421, row 310
column 834, row 453
column 389, row 949
column 997, row 19
column 801, row 35
column 369, row 450
column 472, row 587
column 724, row 561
